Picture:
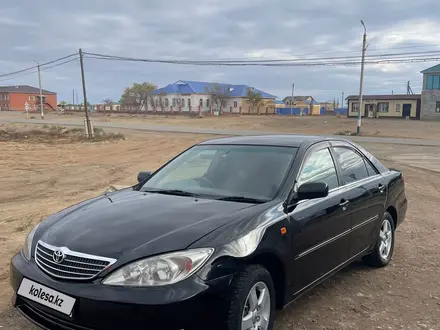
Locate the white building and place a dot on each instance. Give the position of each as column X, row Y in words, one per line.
column 185, row 96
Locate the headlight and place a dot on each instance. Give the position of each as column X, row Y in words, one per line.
column 28, row 243
column 160, row 270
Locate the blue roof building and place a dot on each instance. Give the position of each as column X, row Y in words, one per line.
column 187, row 95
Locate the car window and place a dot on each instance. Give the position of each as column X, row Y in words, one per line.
column 371, row 171
column 226, row 170
column 352, row 164
column 319, row 167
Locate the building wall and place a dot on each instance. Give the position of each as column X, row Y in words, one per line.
column 429, row 104
column 18, row 101
column 195, row 102
column 392, row 110
column 267, row 107
column 4, row 101
column 429, row 100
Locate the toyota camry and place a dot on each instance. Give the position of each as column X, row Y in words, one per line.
column 220, row 237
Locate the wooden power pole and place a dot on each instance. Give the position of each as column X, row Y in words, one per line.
column 88, row 125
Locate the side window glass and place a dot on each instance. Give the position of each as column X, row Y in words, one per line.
column 352, row 165
column 371, row 171
column 319, row 167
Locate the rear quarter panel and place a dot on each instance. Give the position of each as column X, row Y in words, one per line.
column 396, row 193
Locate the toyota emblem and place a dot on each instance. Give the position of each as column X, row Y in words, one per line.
column 58, row 256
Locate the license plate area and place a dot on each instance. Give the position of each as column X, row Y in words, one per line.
column 46, row 296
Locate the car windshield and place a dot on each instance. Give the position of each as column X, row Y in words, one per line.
column 230, row 172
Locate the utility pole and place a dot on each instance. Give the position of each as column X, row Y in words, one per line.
column 291, row 101
column 88, row 125
column 41, row 93
column 73, row 96
column 409, row 89
column 342, row 100
column 364, row 48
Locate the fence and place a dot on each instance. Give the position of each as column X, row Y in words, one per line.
column 341, row 111
column 292, row 111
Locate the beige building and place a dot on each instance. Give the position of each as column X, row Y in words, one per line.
column 386, row 106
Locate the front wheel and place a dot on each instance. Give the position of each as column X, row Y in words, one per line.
column 250, row 301
column 383, row 250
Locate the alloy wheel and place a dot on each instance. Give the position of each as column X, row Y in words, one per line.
column 386, row 239
column 256, row 312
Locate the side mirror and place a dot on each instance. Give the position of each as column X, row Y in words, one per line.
column 312, row 190
column 142, row 176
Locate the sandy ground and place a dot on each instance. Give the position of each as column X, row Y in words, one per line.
column 40, row 178
column 327, row 125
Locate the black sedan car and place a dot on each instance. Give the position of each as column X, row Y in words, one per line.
column 218, row 238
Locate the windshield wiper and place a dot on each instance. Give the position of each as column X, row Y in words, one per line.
column 176, row 192
column 242, row 199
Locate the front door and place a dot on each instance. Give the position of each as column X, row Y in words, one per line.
column 406, row 110
column 321, row 226
column 366, row 196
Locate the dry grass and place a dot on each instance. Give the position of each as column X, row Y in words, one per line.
column 55, row 134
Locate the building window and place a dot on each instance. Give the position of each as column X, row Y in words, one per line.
column 35, row 98
column 235, row 104
column 432, row 82
column 157, row 102
column 189, row 103
column 182, row 102
column 383, row 107
column 437, row 106
column 397, row 107
column 29, row 98
column 167, row 103
column 355, row 107
column 174, row 102
column 201, row 102
column 207, row 103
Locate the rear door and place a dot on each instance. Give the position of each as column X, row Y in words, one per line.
column 321, row 226
column 366, row 193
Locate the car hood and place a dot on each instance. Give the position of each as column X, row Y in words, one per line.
column 133, row 223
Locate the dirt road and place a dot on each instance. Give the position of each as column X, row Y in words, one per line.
column 324, row 125
column 38, row 179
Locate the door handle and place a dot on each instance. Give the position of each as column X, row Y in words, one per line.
column 381, row 188
column 344, row 204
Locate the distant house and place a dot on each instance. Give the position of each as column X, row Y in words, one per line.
column 187, row 96
column 389, row 106
column 303, row 102
column 16, row 97
column 431, row 93
column 279, row 104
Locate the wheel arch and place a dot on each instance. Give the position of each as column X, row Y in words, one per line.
column 277, row 271
column 393, row 212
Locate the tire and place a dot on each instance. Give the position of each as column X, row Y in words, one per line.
column 236, row 300
column 384, row 247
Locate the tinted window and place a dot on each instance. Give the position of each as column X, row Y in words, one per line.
column 226, row 170
column 319, row 167
column 352, row 165
column 371, row 171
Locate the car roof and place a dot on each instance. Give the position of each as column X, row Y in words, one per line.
column 281, row 140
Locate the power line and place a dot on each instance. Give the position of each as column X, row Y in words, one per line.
column 393, row 58
column 214, row 61
column 24, row 73
column 35, row 67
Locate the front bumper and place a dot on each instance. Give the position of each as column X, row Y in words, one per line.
column 187, row 305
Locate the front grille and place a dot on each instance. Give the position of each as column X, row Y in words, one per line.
column 63, row 263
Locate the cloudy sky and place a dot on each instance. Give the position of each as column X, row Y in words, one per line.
column 216, row 29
